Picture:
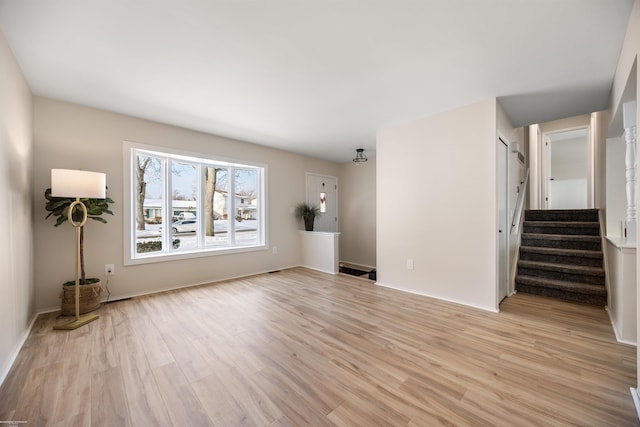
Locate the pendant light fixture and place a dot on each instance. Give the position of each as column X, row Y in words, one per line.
column 360, row 157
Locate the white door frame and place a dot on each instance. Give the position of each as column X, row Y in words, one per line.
column 545, row 167
column 502, row 218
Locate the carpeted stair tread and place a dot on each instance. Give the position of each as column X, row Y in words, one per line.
column 561, row 256
column 586, row 288
column 568, row 291
column 562, row 215
column 568, row 272
column 562, row 237
column 566, row 223
column 590, row 243
column 562, row 227
column 561, row 251
column 564, row 268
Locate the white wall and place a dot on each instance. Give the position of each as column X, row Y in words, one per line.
column 621, row 303
column 357, row 206
column 616, row 187
column 568, row 194
column 77, row 137
column 436, row 204
column 569, row 158
column 535, row 167
column 568, row 188
column 17, row 294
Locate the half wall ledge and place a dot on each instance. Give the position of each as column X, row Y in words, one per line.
column 320, row 251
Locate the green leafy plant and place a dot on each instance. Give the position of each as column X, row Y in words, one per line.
column 59, row 208
column 308, row 213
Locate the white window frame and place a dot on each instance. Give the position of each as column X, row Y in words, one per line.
column 131, row 149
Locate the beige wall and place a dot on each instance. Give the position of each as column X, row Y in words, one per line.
column 599, row 122
column 357, row 215
column 575, row 122
column 77, row 137
column 506, row 129
column 616, row 187
column 436, row 204
column 17, row 294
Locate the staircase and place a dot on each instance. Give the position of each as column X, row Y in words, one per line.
column 561, row 256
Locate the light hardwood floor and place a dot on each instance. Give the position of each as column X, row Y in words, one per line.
column 303, row 348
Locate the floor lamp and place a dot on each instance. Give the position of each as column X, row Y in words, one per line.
column 78, row 184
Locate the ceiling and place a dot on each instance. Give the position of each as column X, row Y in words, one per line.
column 318, row 77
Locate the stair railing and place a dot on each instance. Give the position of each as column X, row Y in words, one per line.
column 515, row 233
column 517, row 214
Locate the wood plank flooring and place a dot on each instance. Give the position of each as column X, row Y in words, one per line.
column 299, row 348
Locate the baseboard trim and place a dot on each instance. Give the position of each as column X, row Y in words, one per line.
column 615, row 331
column 636, row 400
column 128, row 295
column 12, row 359
column 384, row 285
column 203, row 283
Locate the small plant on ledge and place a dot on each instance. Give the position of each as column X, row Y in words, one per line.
column 308, row 213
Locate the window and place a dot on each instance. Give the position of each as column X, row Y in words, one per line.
column 184, row 205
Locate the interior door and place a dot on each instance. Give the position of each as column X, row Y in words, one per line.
column 322, row 191
column 503, row 220
column 567, row 169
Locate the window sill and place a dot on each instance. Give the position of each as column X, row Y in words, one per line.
column 177, row 256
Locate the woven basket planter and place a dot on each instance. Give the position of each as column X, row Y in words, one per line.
column 89, row 298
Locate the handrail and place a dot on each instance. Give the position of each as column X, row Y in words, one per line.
column 520, row 203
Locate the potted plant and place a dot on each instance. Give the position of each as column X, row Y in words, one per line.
column 308, row 213
column 92, row 287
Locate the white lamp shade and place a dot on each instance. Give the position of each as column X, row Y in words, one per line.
column 629, row 114
column 75, row 183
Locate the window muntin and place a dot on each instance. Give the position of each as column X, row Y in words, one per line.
column 200, row 191
column 247, row 199
column 148, row 202
column 217, row 225
column 184, row 204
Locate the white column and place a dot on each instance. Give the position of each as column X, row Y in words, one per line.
column 629, row 123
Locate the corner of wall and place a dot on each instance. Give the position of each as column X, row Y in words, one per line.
column 17, row 289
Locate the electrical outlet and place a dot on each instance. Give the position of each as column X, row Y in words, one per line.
column 409, row 264
column 274, row 250
column 109, row 270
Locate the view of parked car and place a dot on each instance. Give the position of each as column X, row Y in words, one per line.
column 184, row 225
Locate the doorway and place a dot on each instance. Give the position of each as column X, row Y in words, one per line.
column 322, row 191
column 567, row 169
